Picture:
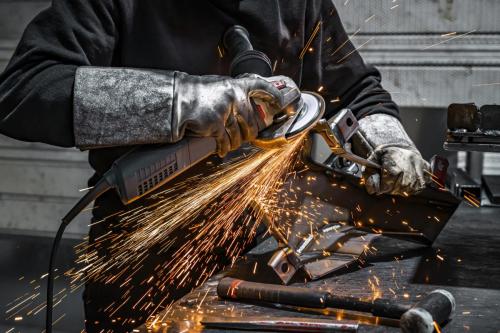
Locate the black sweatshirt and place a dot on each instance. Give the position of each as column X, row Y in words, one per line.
column 36, row 89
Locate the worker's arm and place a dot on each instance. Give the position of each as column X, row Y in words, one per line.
column 59, row 89
column 36, row 89
column 123, row 106
column 357, row 86
column 347, row 81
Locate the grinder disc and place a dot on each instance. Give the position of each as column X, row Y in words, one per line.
column 307, row 112
column 310, row 113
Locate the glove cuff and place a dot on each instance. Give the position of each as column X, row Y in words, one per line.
column 122, row 106
column 381, row 131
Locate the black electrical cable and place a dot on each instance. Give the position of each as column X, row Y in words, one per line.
column 246, row 60
column 101, row 187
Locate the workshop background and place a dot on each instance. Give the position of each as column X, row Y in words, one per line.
column 424, row 67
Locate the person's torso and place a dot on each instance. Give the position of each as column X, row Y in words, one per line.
column 187, row 36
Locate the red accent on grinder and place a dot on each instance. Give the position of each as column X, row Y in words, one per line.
column 261, row 112
column 439, row 169
column 279, row 84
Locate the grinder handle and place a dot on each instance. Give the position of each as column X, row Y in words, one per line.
column 246, row 60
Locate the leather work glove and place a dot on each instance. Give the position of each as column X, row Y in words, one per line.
column 127, row 106
column 404, row 172
column 221, row 107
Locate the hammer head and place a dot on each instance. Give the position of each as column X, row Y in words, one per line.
column 436, row 307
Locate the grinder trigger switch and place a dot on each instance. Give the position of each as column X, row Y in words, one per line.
column 276, row 111
column 264, row 113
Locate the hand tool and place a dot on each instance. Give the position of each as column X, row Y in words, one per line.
column 328, row 148
column 287, row 324
column 437, row 306
column 147, row 168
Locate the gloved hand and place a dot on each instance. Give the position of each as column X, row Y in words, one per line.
column 127, row 106
column 220, row 107
column 404, row 172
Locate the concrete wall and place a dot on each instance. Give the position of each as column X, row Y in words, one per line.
column 431, row 53
column 423, row 66
column 39, row 183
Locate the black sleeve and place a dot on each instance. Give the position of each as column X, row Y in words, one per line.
column 347, row 80
column 37, row 86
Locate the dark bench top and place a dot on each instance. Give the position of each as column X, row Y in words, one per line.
column 465, row 260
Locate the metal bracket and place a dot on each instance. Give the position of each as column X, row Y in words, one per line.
column 337, row 132
column 340, row 247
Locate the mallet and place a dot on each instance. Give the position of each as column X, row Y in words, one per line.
column 437, row 306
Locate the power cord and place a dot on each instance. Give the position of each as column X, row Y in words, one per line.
column 102, row 186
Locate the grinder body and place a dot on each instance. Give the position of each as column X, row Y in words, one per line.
column 147, row 168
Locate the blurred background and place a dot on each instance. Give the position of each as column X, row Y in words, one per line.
column 431, row 53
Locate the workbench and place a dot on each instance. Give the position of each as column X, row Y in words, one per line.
column 464, row 260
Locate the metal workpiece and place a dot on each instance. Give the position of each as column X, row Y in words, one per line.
column 285, row 263
column 318, row 246
column 349, row 249
column 336, row 134
column 313, row 257
column 389, row 215
column 312, row 246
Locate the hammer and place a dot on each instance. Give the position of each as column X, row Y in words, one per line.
column 437, row 307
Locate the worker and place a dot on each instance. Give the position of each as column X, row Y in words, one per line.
column 106, row 75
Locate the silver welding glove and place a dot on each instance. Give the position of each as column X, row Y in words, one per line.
column 404, row 171
column 122, row 106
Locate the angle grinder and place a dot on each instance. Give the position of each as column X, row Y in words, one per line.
column 147, row 168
